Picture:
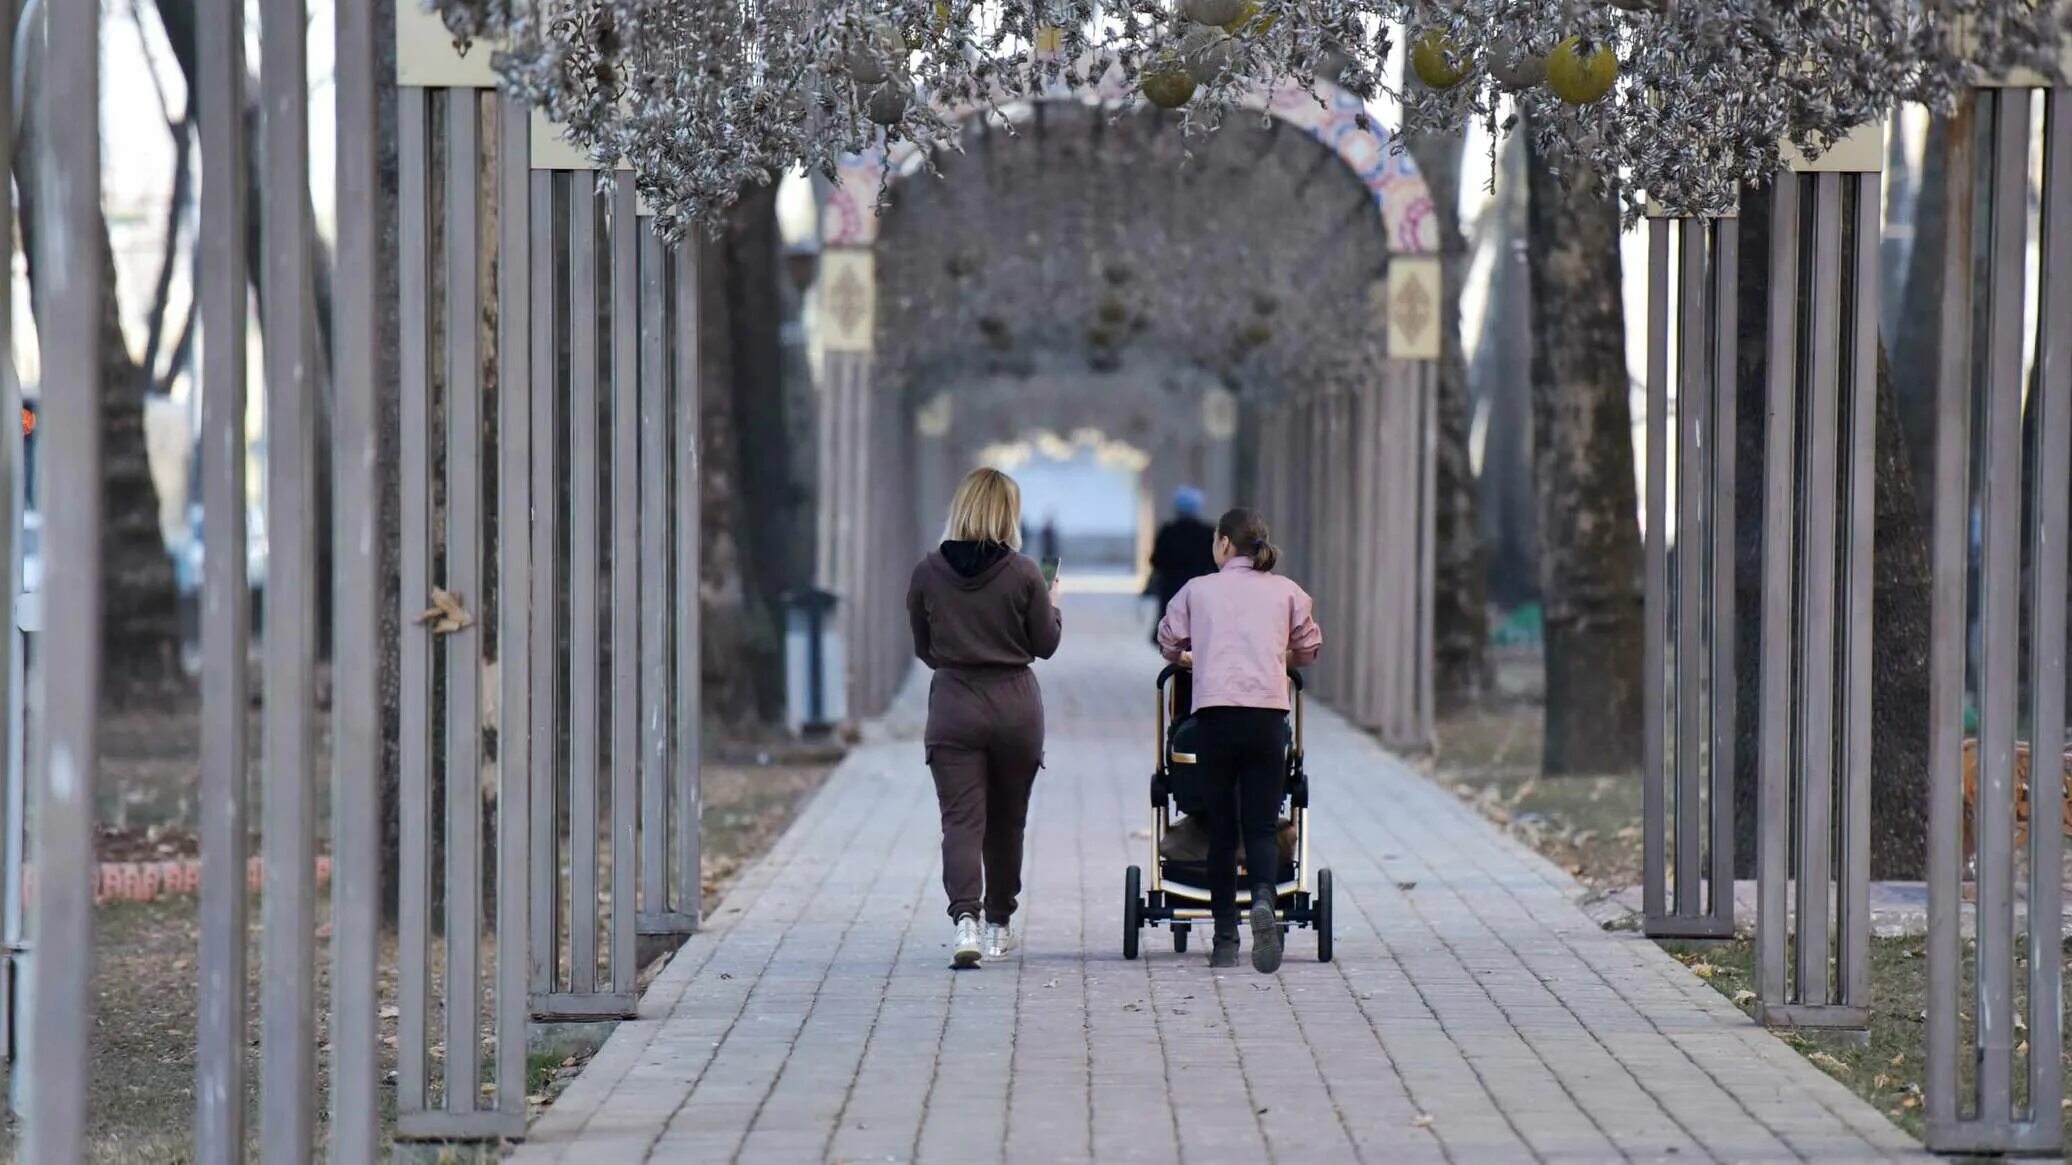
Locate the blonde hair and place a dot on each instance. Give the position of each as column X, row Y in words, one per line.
column 986, row 508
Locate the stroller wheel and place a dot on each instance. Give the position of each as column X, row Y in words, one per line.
column 1180, row 930
column 1322, row 916
column 1132, row 910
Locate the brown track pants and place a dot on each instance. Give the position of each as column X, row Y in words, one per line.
column 985, row 743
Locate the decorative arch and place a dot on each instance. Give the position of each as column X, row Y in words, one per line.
column 1333, row 117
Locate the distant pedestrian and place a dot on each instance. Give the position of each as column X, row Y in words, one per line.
column 981, row 613
column 1185, row 549
column 1049, row 536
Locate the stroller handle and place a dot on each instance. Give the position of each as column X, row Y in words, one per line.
column 1170, row 670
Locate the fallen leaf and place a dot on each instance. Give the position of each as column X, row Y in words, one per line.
column 2022, row 1049
column 1881, row 1081
column 391, row 1012
column 1899, row 1059
column 1421, row 1121
column 446, row 615
column 1743, row 998
column 1704, row 970
column 1910, row 1102
column 1828, row 1062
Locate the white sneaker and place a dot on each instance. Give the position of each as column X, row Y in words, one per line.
column 968, row 945
column 999, row 940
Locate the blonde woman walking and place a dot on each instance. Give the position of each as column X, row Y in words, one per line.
column 981, row 614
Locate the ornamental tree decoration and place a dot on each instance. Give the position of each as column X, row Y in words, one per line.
column 1682, row 99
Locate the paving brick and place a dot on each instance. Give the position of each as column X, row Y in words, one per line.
column 1479, row 1017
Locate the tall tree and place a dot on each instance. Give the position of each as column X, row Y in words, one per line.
column 1502, row 383
column 141, row 625
column 1583, row 470
column 1461, row 620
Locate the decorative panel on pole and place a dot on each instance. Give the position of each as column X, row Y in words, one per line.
column 848, row 320
column 1816, row 608
column 1408, row 483
column 1687, row 690
column 2008, row 1033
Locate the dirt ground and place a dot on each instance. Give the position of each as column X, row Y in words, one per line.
column 142, row 1103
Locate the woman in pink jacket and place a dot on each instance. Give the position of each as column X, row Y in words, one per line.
column 1241, row 629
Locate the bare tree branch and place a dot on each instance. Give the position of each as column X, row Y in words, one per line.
column 176, row 208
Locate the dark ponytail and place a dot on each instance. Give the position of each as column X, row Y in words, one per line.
column 1249, row 537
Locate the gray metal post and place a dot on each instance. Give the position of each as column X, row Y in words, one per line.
column 689, row 468
column 414, row 560
column 288, row 908
column 1780, row 445
column 356, row 604
column 515, row 438
column 463, row 579
column 220, row 1038
column 549, row 300
column 625, row 581
column 1654, row 688
column 68, row 696
column 1946, row 659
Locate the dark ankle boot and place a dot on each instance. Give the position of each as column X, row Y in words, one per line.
column 1266, row 931
column 1223, row 944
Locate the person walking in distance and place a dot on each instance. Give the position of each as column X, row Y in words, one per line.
column 1240, row 630
column 981, row 613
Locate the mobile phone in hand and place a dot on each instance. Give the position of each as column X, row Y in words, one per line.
column 1050, row 570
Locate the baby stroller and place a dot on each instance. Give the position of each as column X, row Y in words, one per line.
column 1179, row 895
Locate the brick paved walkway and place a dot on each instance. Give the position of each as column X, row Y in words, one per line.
column 1473, row 1013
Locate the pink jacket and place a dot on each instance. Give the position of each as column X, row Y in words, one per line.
column 1246, row 628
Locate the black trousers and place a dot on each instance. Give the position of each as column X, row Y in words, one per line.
column 1242, row 754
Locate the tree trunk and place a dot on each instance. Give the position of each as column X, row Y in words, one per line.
column 1901, row 587
column 772, row 545
column 140, row 627
column 1461, row 620
column 1503, row 390
column 730, row 688
column 1583, row 470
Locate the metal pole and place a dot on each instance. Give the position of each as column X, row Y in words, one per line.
column 2047, row 682
column 68, row 699
column 549, row 300
column 356, row 605
column 1688, row 642
column 1817, row 596
column 2000, row 506
column 414, row 558
column 689, row 642
column 1655, row 588
column 220, row 1038
column 1774, row 763
column 625, row 580
column 463, row 579
column 288, row 908
column 1720, row 766
column 515, row 436
column 1947, row 645
column 582, row 601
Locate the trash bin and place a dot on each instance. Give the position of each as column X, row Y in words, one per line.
column 815, row 690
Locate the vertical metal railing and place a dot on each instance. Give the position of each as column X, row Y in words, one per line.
column 1687, row 744
column 1814, row 796
column 356, row 595
column 687, row 477
column 586, row 592
column 58, row 1028
column 288, row 1003
column 2008, row 1105
column 226, row 617
column 447, row 712
column 14, row 769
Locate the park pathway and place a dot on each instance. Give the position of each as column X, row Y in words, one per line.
column 1473, row 1014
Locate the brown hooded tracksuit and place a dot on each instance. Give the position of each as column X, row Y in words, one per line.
column 981, row 614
